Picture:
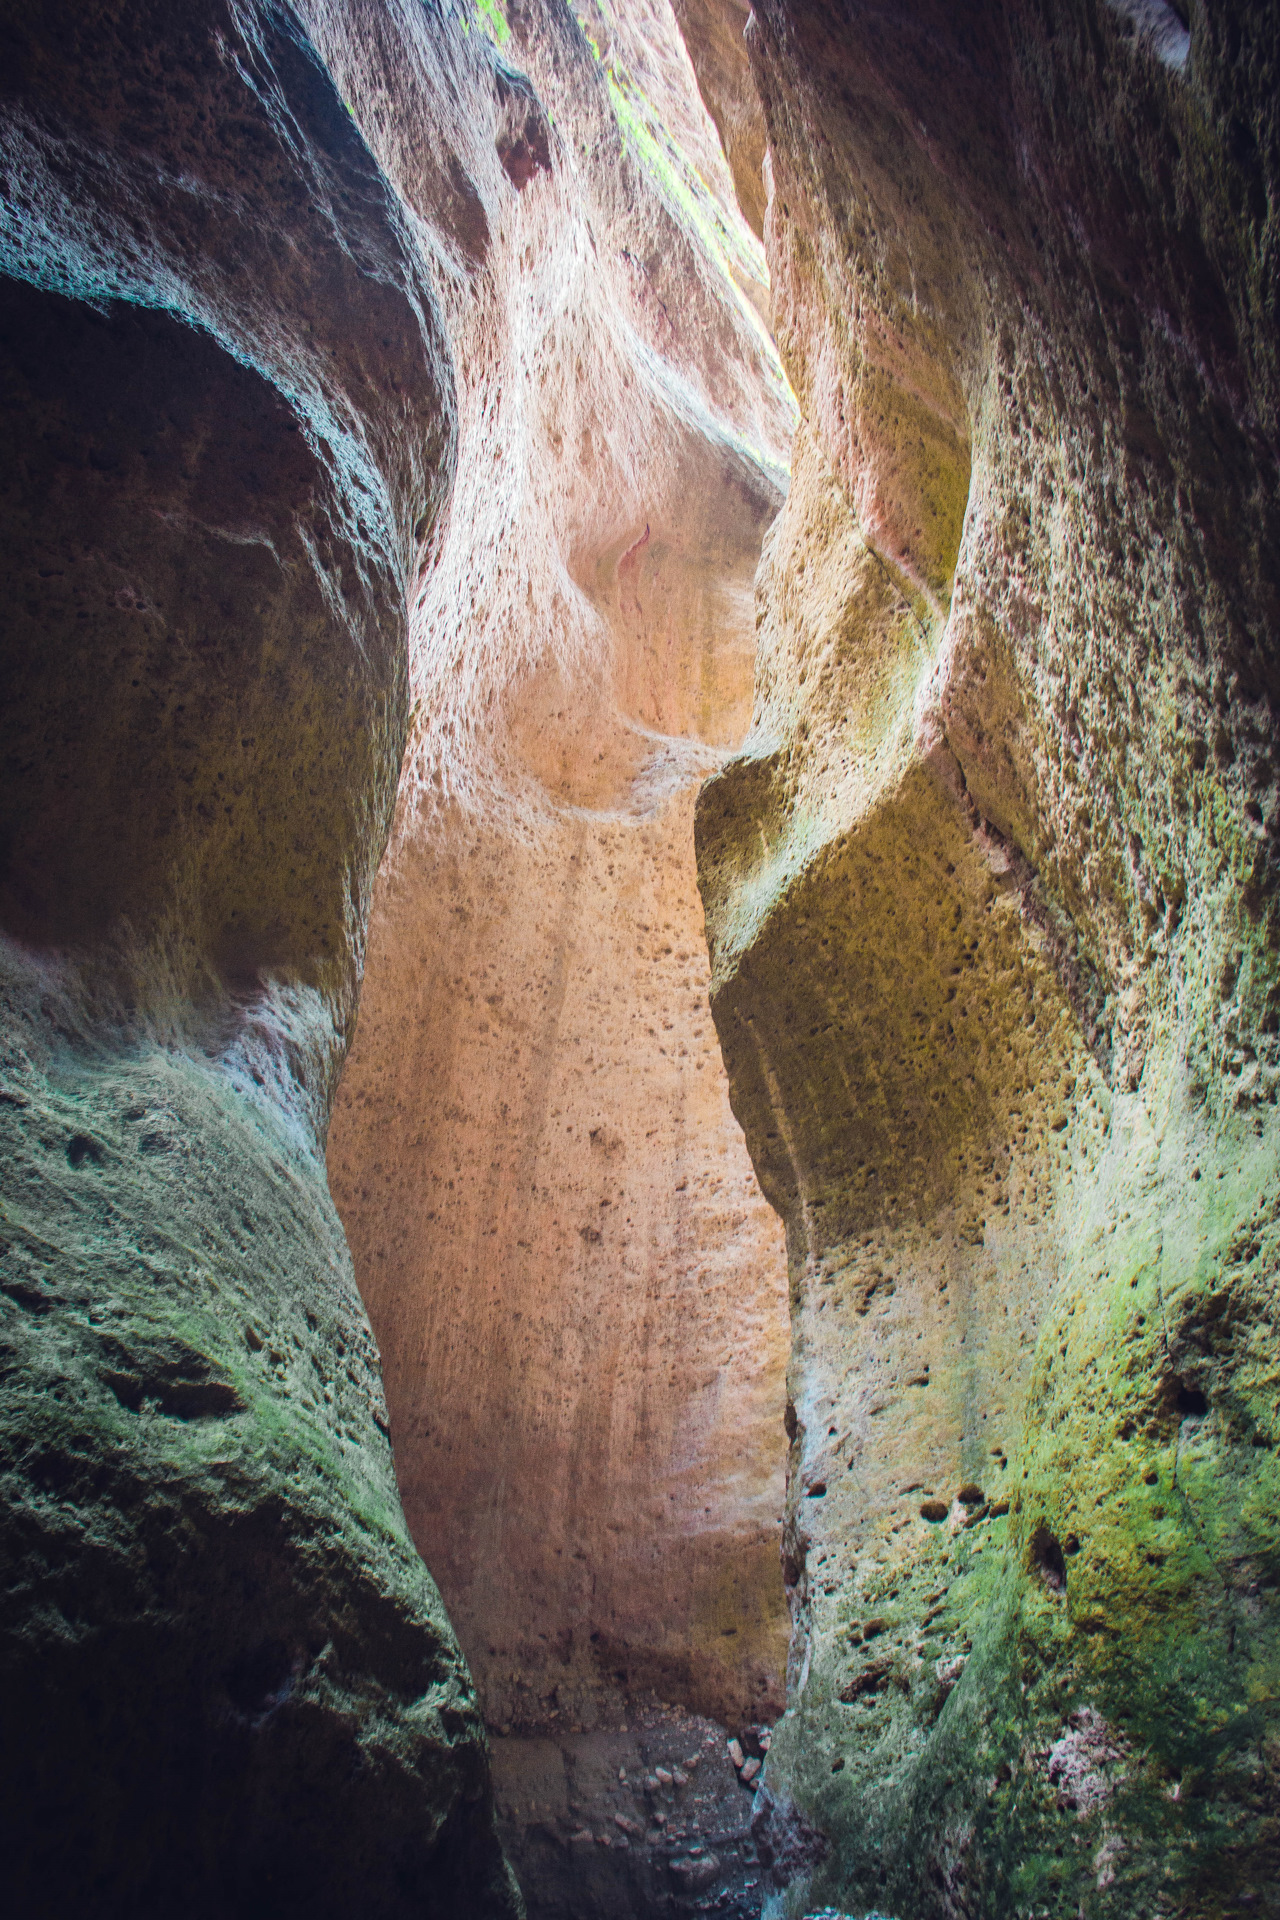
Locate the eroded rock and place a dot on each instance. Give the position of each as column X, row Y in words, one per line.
column 382, row 375
column 649, row 1818
column 230, row 422
column 990, row 894
column 576, row 1285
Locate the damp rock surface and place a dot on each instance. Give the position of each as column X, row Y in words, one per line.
column 652, row 1818
column 235, row 1682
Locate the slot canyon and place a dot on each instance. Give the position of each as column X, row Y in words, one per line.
column 640, row 959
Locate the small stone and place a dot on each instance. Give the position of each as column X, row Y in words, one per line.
column 736, row 1754
column 750, row 1768
column 695, row 1873
column 662, row 1777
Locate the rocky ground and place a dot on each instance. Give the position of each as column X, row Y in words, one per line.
column 651, row 1818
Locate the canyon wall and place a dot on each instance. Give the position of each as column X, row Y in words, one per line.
column 991, row 899
column 364, row 393
column 392, row 423
column 578, row 1290
column 230, row 423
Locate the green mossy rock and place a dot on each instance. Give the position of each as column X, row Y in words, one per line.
column 229, row 1684
column 991, row 895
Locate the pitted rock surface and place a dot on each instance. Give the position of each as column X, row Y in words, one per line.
column 576, row 1284
column 407, row 559
column 991, row 906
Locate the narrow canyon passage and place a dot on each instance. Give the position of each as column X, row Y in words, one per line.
column 640, row 959
column 577, row 1288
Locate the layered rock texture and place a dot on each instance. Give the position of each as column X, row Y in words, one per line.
column 991, row 893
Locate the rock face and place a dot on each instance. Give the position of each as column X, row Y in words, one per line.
column 231, row 236
column 355, row 395
column 991, row 899
column 651, row 1818
column 577, row 1288
column 391, row 426
column 713, row 31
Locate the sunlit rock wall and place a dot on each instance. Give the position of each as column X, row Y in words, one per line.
column 576, row 1285
column 991, row 899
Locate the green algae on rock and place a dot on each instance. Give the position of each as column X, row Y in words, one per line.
column 229, row 1685
column 992, row 907
column 229, row 1681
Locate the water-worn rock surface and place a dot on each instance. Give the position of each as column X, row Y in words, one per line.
column 392, row 425
column 320, row 328
column 230, row 420
column 991, row 896
column 577, row 1287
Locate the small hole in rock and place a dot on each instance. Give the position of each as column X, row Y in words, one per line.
column 1047, row 1560
column 262, row 1679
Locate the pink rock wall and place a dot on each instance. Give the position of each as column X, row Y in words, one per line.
column 575, row 1282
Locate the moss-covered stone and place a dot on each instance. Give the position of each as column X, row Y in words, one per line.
column 991, row 898
column 229, row 1683
column 229, row 1686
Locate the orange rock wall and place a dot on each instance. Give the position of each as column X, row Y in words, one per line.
column 577, row 1287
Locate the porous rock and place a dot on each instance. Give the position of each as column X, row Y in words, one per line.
column 229, row 1684
column 578, row 1290
column 991, row 900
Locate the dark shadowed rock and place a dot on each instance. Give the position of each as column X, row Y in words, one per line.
column 228, row 423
